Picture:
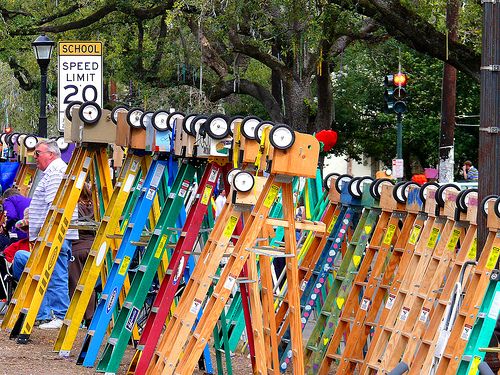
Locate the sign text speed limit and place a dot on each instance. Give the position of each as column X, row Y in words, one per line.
column 80, row 75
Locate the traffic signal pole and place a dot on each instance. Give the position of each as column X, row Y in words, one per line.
column 399, row 141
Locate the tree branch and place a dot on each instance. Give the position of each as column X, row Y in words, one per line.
column 410, row 29
column 21, row 74
column 252, row 51
column 225, row 88
column 60, row 14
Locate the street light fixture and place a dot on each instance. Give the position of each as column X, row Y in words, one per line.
column 43, row 47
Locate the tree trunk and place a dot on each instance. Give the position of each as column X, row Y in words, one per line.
column 324, row 115
column 296, row 93
column 448, row 102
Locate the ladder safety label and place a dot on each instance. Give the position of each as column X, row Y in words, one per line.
column 229, row 284
column 206, row 195
column 433, row 238
column 134, row 313
column 271, row 195
column 124, row 265
column 27, row 180
column 368, row 229
column 473, row 250
column 161, row 246
column 80, row 180
column 415, row 234
column 495, row 307
column 466, row 332
column 424, row 314
column 128, row 183
column 155, row 181
column 101, row 253
column 213, row 174
column 151, row 193
column 493, row 258
column 403, row 315
column 139, row 185
column 112, row 297
column 86, row 162
column 452, row 243
column 365, row 303
column 195, row 307
column 391, row 229
column 183, row 190
column 231, row 224
column 390, row 301
column 332, row 223
column 134, row 166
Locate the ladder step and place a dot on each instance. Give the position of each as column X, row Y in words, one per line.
column 142, row 268
column 356, row 360
column 372, row 365
column 138, row 243
column 174, row 229
column 80, row 287
column 154, row 309
column 112, row 341
column 239, row 280
column 348, row 320
column 36, row 277
column 312, row 348
column 127, row 304
column 270, row 251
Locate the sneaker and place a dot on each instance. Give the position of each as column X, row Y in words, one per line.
column 53, row 324
column 41, row 321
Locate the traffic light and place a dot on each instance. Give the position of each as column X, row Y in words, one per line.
column 389, row 93
column 400, row 80
column 395, row 92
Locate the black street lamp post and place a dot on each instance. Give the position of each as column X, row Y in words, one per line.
column 43, row 47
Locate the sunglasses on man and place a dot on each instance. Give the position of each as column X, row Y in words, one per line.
column 37, row 152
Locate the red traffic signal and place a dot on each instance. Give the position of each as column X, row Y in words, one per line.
column 400, row 79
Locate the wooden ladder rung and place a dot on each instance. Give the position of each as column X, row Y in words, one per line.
column 334, row 356
column 270, row 251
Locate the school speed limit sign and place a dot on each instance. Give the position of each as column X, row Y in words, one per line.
column 79, row 75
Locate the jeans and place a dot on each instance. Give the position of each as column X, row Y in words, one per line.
column 56, row 299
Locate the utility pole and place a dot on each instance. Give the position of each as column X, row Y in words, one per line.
column 448, row 100
column 489, row 136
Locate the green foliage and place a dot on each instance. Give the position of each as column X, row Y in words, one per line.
column 364, row 128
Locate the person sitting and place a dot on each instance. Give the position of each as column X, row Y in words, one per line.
column 14, row 205
column 18, row 254
column 22, row 245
